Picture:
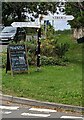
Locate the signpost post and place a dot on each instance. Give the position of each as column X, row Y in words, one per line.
column 38, row 49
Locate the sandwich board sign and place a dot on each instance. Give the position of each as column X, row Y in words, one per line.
column 17, row 59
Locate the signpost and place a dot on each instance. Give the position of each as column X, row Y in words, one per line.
column 21, row 58
column 17, row 59
column 58, row 17
column 38, row 49
column 26, row 24
column 80, row 40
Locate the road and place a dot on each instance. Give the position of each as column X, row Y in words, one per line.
column 24, row 111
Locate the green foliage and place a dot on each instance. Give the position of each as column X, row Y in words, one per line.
column 4, row 60
column 53, row 52
column 46, row 48
column 15, row 11
column 49, row 31
column 12, row 11
column 64, row 32
column 52, row 61
column 61, row 49
column 48, row 60
column 46, row 30
column 31, row 48
column 51, row 84
column 77, row 10
column 54, row 48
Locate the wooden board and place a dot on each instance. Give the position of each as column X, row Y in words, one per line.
column 18, row 58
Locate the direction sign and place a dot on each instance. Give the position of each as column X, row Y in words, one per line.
column 26, row 24
column 58, row 17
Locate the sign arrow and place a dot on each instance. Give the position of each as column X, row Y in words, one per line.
column 26, row 24
column 58, row 17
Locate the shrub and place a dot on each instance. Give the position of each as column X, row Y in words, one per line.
column 47, row 48
column 60, row 49
column 31, row 51
column 53, row 48
column 51, row 61
column 52, row 53
column 4, row 60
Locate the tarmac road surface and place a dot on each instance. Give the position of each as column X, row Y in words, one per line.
column 18, row 111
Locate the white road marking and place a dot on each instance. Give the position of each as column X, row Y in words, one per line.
column 42, row 110
column 72, row 117
column 37, row 115
column 9, row 107
column 7, row 112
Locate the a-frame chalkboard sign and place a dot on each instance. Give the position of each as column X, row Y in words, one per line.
column 17, row 59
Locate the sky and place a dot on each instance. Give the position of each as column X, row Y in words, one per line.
column 61, row 25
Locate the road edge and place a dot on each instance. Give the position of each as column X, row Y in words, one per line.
column 31, row 102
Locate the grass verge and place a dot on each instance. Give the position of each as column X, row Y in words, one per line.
column 59, row 84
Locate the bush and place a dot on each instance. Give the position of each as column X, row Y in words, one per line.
column 51, row 61
column 52, row 53
column 31, row 51
column 4, row 60
column 53, row 48
column 61, row 49
column 47, row 48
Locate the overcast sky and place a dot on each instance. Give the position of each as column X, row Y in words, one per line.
column 61, row 25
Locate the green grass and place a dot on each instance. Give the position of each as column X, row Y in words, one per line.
column 59, row 84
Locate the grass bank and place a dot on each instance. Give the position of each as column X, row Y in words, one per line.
column 59, row 84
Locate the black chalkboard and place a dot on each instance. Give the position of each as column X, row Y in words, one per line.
column 18, row 58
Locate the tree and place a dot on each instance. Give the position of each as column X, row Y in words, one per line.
column 77, row 10
column 15, row 11
column 12, row 12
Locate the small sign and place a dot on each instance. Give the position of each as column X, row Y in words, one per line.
column 17, row 58
column 26, row 24
column 58, row 17
column 80, row 40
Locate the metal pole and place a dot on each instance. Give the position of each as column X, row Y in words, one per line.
column 45, row 29
column 53, row 26
column 38, row 48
